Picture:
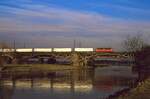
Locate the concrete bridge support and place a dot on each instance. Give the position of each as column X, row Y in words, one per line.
column 75, row 59
column 79, row 60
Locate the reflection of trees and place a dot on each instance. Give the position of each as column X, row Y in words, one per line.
column 114, row 77
column 111, row 81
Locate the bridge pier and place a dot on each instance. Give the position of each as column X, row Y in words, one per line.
column 79, row 60
column 72, row 81
column 75, row 59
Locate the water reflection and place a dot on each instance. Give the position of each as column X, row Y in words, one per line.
column 70, row 84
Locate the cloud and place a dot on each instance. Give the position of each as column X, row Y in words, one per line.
column 129, row 10
column 40, row 23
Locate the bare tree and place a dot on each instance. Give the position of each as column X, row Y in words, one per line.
column 133, row 43
column 3, row 46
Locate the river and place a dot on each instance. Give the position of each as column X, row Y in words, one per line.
column 97, row 83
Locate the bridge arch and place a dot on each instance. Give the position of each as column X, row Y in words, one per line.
column 7, row 55
column 7, row 59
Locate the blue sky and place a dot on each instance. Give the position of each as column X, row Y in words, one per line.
column 56, row 23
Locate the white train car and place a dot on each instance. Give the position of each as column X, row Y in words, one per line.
column 24, row 50
column 84, row 49
column 62, row 49
column 42, row 49
column 8, row 50
column 1, row 50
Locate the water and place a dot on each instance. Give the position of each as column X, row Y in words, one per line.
column 71, row 84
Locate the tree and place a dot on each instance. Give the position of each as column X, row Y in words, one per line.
column 133, row 43
column 140, row 52
column 142, row 57
column 3, row 46
column 142, row 62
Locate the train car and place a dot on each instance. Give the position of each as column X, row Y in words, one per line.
column 104, row 50
column 42, row 49
column 24, row 50
column 62, row 49
column 8, row 50
column 84, row 49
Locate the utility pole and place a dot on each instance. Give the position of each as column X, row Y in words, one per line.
column 74, row 43
column 79, row 44
column 14, row 44
column 24, row 45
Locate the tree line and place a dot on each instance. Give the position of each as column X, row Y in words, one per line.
column 139, row 50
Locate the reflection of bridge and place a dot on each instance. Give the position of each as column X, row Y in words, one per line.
column 68, row 81
column 80, row 80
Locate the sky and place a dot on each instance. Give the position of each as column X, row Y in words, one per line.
column 57, row 23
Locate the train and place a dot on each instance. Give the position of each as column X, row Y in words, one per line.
column 57, row 50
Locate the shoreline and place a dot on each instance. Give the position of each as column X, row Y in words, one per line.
column 134, row 92
column 118, row 93
column 41, row 67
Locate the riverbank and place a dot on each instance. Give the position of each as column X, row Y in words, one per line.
column 141, row 91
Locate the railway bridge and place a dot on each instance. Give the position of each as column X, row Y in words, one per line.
column 67, row 56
